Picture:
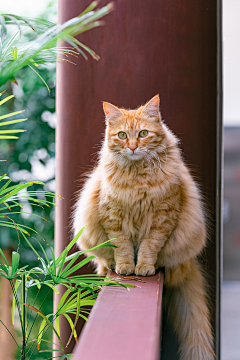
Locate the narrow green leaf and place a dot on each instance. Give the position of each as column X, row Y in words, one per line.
column 63, row 261
column 16, row 22
column 47, row 321
column 8, row 137
column 84, row 317
column 7, row 46
column 69, row 257
column 15, row 226
column 36, row 72
column 15, row 262
column 12, row 122
column 40, row 333
column 18, row 188
column 35, row 251
column 11, row 114
column 5, row 186
column 11, row 131
column 70, row 263
column 70, row 245
column 100, row 246
column 14, row 52
column 23, row 299
column 45, row 269
column 52, row 287
column 74, row 333
column 89, row 8
column 78, row 304
column 57, row 325
column 33, row 62
column 2, row 189
column 4, row 257
column 90, row 51
column 44, row 252
column 3, row 267
column 5, row 100
column 78, row 266
column 17, row 283
column 63, row 299
column 53, row 266
column 3, row 177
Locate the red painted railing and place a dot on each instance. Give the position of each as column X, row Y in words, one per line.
column 124, row 324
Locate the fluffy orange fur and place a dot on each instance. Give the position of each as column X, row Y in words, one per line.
column 142, row 195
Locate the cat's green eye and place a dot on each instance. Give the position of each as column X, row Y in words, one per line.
column 122, row 135
column 143, row 133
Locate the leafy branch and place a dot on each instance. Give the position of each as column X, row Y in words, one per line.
column 17, row 51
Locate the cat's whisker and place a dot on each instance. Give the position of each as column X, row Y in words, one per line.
column 156, row 159
column 95, row 156
column 165, row 151
column 150, row 162
column 162, row 149
column 154, row 165
column 156, row 156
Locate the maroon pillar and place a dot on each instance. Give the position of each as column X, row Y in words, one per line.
column 146, row 47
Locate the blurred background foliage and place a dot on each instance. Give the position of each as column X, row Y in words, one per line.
column 32, row 157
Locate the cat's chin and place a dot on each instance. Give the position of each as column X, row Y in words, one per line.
column 134, row 156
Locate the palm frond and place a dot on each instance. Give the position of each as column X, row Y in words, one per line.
column 43, row 48
column 13, row 196
column 35, row 24
column 5, row 123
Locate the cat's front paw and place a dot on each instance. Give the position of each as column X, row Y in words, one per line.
column 144, row 270
column 125, row 269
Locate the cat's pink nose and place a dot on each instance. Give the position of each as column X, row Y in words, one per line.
column 132, row 147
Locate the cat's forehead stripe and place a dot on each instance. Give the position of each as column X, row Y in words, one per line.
column 133, row 122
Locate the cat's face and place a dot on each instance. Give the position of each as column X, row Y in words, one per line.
column 134, row 134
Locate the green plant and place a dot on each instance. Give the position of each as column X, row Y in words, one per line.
column 9, row 200
column 81, row 291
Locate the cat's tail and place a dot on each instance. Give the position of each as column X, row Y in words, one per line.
column 186, row 304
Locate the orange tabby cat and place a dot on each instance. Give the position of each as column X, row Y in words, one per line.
column 142, row 194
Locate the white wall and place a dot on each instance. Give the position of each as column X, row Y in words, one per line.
column 31, row 8
column 231, row 62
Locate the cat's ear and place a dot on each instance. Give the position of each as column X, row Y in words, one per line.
column 151, row 108
column 112, row 112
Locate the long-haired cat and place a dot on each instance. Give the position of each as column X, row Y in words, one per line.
column 142, row 194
